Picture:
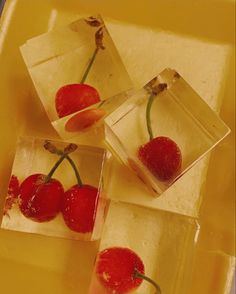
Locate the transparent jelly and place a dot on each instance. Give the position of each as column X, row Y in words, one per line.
column 56, row 189
column 74, row 67
column 162, row 130
column 156, row 243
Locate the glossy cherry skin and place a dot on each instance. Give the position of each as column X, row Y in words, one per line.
column 115, row 270
column 79, row 208
column 162, row 157
column 74, row 97
column 40, row 201
column 84, row 120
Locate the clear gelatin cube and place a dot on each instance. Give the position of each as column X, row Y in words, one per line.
column 56, row 189
column 75, row 66
column 156, row 243
column 163, row 129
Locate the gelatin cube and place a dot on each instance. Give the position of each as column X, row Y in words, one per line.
column 31, row 158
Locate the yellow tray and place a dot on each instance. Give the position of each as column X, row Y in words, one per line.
column 37, row 264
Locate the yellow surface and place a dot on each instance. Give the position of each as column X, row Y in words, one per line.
column 213, row 272
column 34, row 264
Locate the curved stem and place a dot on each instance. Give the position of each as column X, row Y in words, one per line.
column 63, row 154
column 75, row 170
column 50, row 174
column 137, row 274
column 148, row 116
column 89, row 66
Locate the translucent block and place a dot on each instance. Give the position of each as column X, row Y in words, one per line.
column 85, row 125
column 178, row 114
column 63, row 55
column 164, row 242
column 33, row 214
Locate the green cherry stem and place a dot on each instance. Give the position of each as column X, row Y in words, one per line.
column 63, row 154
column 137, row 274
column 148, row 115
column 75, row 170
column 89, row 65
column 50, row 174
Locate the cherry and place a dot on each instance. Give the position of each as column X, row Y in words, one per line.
column 79, row 207
column 162, row 157
column 120, row 270
column 40, row 200
column 12, row 194
column 84, row 119
column 79, row 202
column 41, row 195
column 74, row 97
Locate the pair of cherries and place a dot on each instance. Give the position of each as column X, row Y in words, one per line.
column 42, row 197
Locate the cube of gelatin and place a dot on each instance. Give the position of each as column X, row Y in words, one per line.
column 158, row 244
column 85, row 125
column 163, row 129
column 75, row 66
column 68, row 201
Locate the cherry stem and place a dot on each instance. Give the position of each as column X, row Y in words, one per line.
column 137, row 274
column 63, row 154
column 148, row 115
column 75, row 170
column 50, row 174
column 89, row 66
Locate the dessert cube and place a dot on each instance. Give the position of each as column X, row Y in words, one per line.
column 56, row 189
column 168, row 128
column 74, row 67
column 159, row 244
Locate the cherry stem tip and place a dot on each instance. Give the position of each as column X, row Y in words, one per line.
column 137, row 274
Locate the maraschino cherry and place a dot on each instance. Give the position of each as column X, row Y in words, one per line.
column 78, row 205
column 40, row 195
column 120, row 270
column 161, row 155
column 74, row 97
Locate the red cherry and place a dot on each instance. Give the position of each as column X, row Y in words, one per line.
column 116, row 267
column 40, row 201
column 74, row 97
column 12, row 193
column 162, row 157
column 79, row 208
column 83, row 120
